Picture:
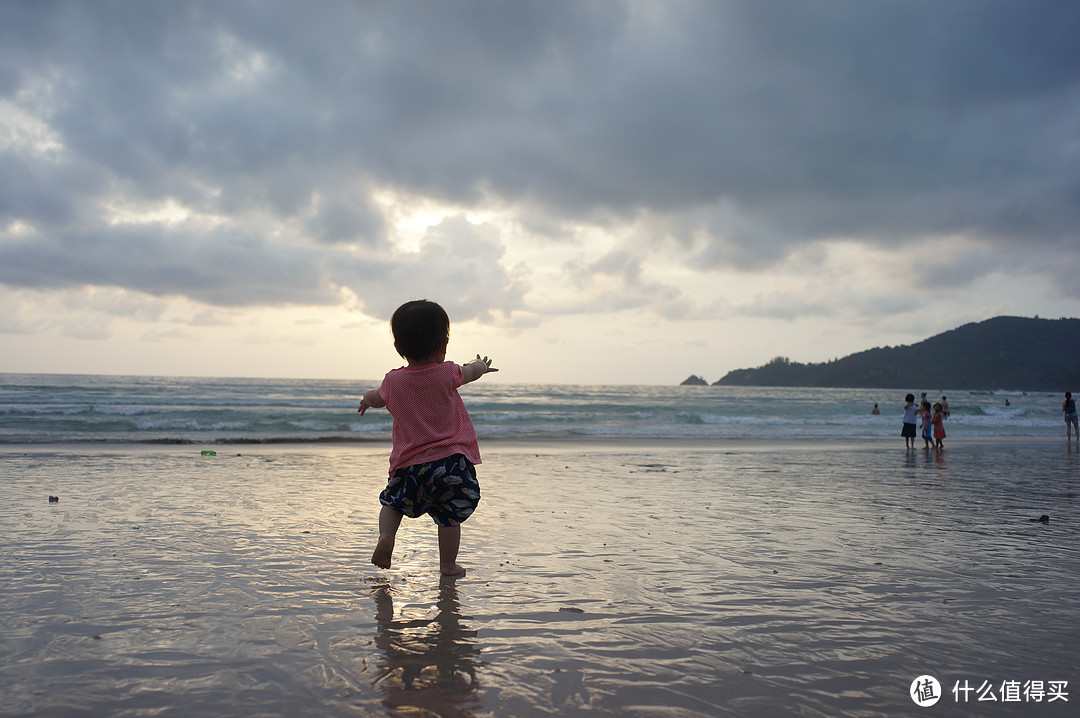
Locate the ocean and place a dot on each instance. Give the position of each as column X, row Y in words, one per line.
column 51, row 408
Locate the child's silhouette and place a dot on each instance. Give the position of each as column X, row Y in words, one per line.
column 434, row 443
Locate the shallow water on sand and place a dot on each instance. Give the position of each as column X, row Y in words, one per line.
column 700, row 579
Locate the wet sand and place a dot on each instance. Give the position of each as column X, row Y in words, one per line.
column 676, row 578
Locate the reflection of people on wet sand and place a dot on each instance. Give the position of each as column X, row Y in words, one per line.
column 431, row 663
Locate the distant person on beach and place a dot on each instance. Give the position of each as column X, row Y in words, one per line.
column 1069, row 407
column 945, row 406
column 875, row 410
column 908, row 432
column 939, row 426
column 926, row 428
column 434, row 443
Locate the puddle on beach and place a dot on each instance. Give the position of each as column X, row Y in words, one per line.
column 608, row 581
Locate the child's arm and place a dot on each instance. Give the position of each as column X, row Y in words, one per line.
column 476, row 369
column 372, row 400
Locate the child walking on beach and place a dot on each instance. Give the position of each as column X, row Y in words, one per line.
column 434, row 444
column 939, row 426
column 908, row 432
column 1069, row 407
column 925, row 428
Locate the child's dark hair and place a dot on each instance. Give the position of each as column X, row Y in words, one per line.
column 420, row 329
column 909, row 397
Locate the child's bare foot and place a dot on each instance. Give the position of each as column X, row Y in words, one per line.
column 454, row 571
column 384, row 551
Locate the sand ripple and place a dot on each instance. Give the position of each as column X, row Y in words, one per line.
column 663, row 580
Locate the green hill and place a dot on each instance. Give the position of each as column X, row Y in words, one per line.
column 1012, row 353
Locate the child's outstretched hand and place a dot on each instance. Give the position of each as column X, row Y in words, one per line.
column 371, row 399
column 477, row 368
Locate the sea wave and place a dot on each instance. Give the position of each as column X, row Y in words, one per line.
column 45, row 408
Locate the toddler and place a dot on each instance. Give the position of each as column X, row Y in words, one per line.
column 908, row 431
column 939, row 426
column 434, row 444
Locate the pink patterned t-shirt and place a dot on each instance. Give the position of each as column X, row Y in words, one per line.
column 430, row 419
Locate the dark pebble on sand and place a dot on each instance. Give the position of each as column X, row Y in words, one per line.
column 54, row 499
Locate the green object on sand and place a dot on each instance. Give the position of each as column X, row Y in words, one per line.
column 207, row 452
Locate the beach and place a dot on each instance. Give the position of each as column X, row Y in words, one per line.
column 660, row 577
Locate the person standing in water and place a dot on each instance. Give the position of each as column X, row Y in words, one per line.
column 926, row 428
column 434, row 452
column 908, row 431
column 1069, row 408
column 939, row 426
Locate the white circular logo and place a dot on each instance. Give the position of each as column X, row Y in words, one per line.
column 925, row 691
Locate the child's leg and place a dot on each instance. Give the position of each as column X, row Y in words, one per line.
column 449, row 542
column 389, row 521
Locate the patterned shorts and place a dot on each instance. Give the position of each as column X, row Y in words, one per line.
column 446, row 489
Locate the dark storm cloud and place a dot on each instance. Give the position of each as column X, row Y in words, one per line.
column 746, row 128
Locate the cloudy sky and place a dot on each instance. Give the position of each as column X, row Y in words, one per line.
column 597, row 191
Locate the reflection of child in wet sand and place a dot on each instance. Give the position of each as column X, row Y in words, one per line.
column 434, row 443
column 939, row 425
column 431, row 663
